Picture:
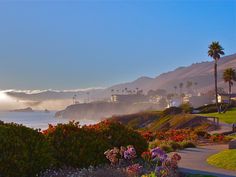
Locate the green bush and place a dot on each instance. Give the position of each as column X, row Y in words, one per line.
column 118, row 135
column 211, row 108
column 174, row 145
column 172, row 111
column 155, row 143
column 24, row 151
column 200, row 132
column 167, row 148
column 77, row 146
column 186, row 107
column 187, row 144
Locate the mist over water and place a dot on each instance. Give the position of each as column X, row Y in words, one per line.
column 8, row 102
column 38, row 119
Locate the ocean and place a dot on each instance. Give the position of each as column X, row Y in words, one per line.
column 37, row 119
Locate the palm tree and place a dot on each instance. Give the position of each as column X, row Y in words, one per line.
column 215, row 51
column 88, row 96
column 175, row 87
column 189, row 85
column 112, row 90
column 180, row 91
column 126, row 90
column 180, row 87
column 229, row 76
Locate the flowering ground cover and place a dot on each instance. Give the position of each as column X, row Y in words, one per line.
column 173, row 140
column 152, row 162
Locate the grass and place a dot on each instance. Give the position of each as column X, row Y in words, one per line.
column 228, row 117
column 225, row 159
column 232, row 136
column 170, row 121
column 197, row 175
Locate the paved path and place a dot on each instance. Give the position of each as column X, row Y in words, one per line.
column 224, row 127
column 194, row 161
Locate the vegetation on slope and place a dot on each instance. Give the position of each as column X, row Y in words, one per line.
column 174, row 117
column 138, row 120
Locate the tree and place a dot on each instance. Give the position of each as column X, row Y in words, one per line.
column 161, row 92
column 195, row 84
column 180, row 87
column 229, row 77
column 163, row 103
column 215, row 51
column 189, row 85
column 180, row 91
column 112, row 91
column 175, row 87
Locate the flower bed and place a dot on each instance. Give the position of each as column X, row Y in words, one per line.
column 182, row 138
column 155, row 161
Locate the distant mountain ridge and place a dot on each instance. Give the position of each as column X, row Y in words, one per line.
column 202, row 73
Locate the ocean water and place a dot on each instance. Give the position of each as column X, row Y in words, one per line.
column 37, row 119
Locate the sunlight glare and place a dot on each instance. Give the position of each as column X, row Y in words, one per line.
column 4, row 97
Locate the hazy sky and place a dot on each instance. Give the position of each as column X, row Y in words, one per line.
column 79, row 44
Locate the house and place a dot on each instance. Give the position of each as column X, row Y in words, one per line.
column 155, row 99
column 175, row 102
column 131, row 98
column 197, row 101
column 224, row 97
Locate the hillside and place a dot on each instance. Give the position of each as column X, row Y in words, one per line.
column 202, row 73
column 99, row 110
column 171, row 118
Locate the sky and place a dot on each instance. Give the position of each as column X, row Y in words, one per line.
column 80, row 44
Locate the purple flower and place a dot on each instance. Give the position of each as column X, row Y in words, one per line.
column 157, row 152
column 159, row 169
column 130, row 153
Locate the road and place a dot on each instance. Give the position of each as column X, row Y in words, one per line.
column 194, row 161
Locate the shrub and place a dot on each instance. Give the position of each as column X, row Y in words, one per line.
column 154, row 143
column 175, row 145
column 24, row 151
column 167, row 148
column 211, row 108
column 90, row 172
column 187, row 144
column 77, row 146
column 172, row 111
column 118, row 135
column 186, row 107
column 200, row 132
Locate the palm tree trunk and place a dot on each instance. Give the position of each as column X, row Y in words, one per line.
column 216, row 89
column 229, row 93
column 229, row 101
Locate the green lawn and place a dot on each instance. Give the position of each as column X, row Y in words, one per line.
column 200, row 176
column 225, row 159
column 232, row 136
column 228, row 117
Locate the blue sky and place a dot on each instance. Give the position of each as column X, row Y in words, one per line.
column 79, row 44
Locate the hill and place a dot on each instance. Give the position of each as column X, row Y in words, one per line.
column 202, row 73
column 171, row 118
